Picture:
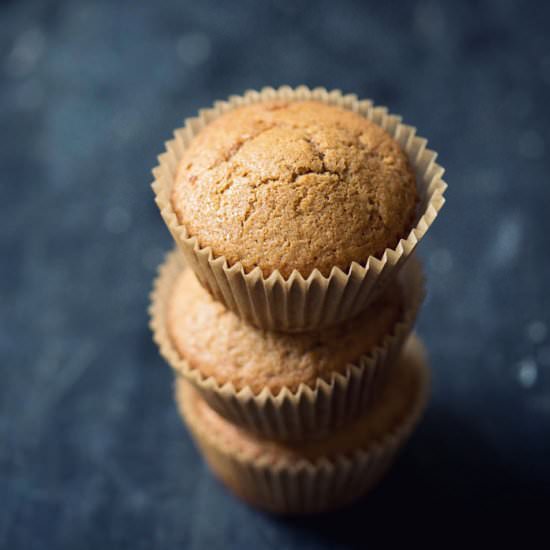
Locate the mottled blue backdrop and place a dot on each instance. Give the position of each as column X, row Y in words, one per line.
column 92, row 452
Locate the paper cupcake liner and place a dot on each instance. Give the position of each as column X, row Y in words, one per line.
column 300, row 486
column 308, row 411
column 300, row 303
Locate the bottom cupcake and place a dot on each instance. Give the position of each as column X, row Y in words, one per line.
column 312, row 476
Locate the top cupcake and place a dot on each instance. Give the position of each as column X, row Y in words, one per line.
column 297, row 185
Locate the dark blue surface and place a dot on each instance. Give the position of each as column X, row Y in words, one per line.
column 92, row 452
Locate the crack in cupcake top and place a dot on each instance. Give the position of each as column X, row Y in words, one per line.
column 295, row 186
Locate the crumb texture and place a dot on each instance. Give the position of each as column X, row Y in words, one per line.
column 297, row 185
column 220, row 344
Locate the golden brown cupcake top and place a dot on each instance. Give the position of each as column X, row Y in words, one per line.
column 399, row 400
column 218, row 343
column 295, row 185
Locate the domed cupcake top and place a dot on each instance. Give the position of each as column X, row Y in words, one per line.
column 219, row 344
column 295, row 186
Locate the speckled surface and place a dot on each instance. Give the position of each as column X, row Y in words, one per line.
column 92, row 453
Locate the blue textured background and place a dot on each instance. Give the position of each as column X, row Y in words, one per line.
column 92, row 453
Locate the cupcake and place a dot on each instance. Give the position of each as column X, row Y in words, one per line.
column 281, row 385
column 314, row 475
column 295, row 207
column 294, row 186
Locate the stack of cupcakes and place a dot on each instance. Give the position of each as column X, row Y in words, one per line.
column 287, row 307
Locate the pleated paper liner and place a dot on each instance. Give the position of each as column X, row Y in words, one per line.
column 287, row 480
column 309, row 411
column 300, row 303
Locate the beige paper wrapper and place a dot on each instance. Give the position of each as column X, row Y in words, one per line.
column 307, row 412
column 298, row 303
column 299, row 486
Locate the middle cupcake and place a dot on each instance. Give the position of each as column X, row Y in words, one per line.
column 282, row 386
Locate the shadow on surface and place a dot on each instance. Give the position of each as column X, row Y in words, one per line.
column 447, row 478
